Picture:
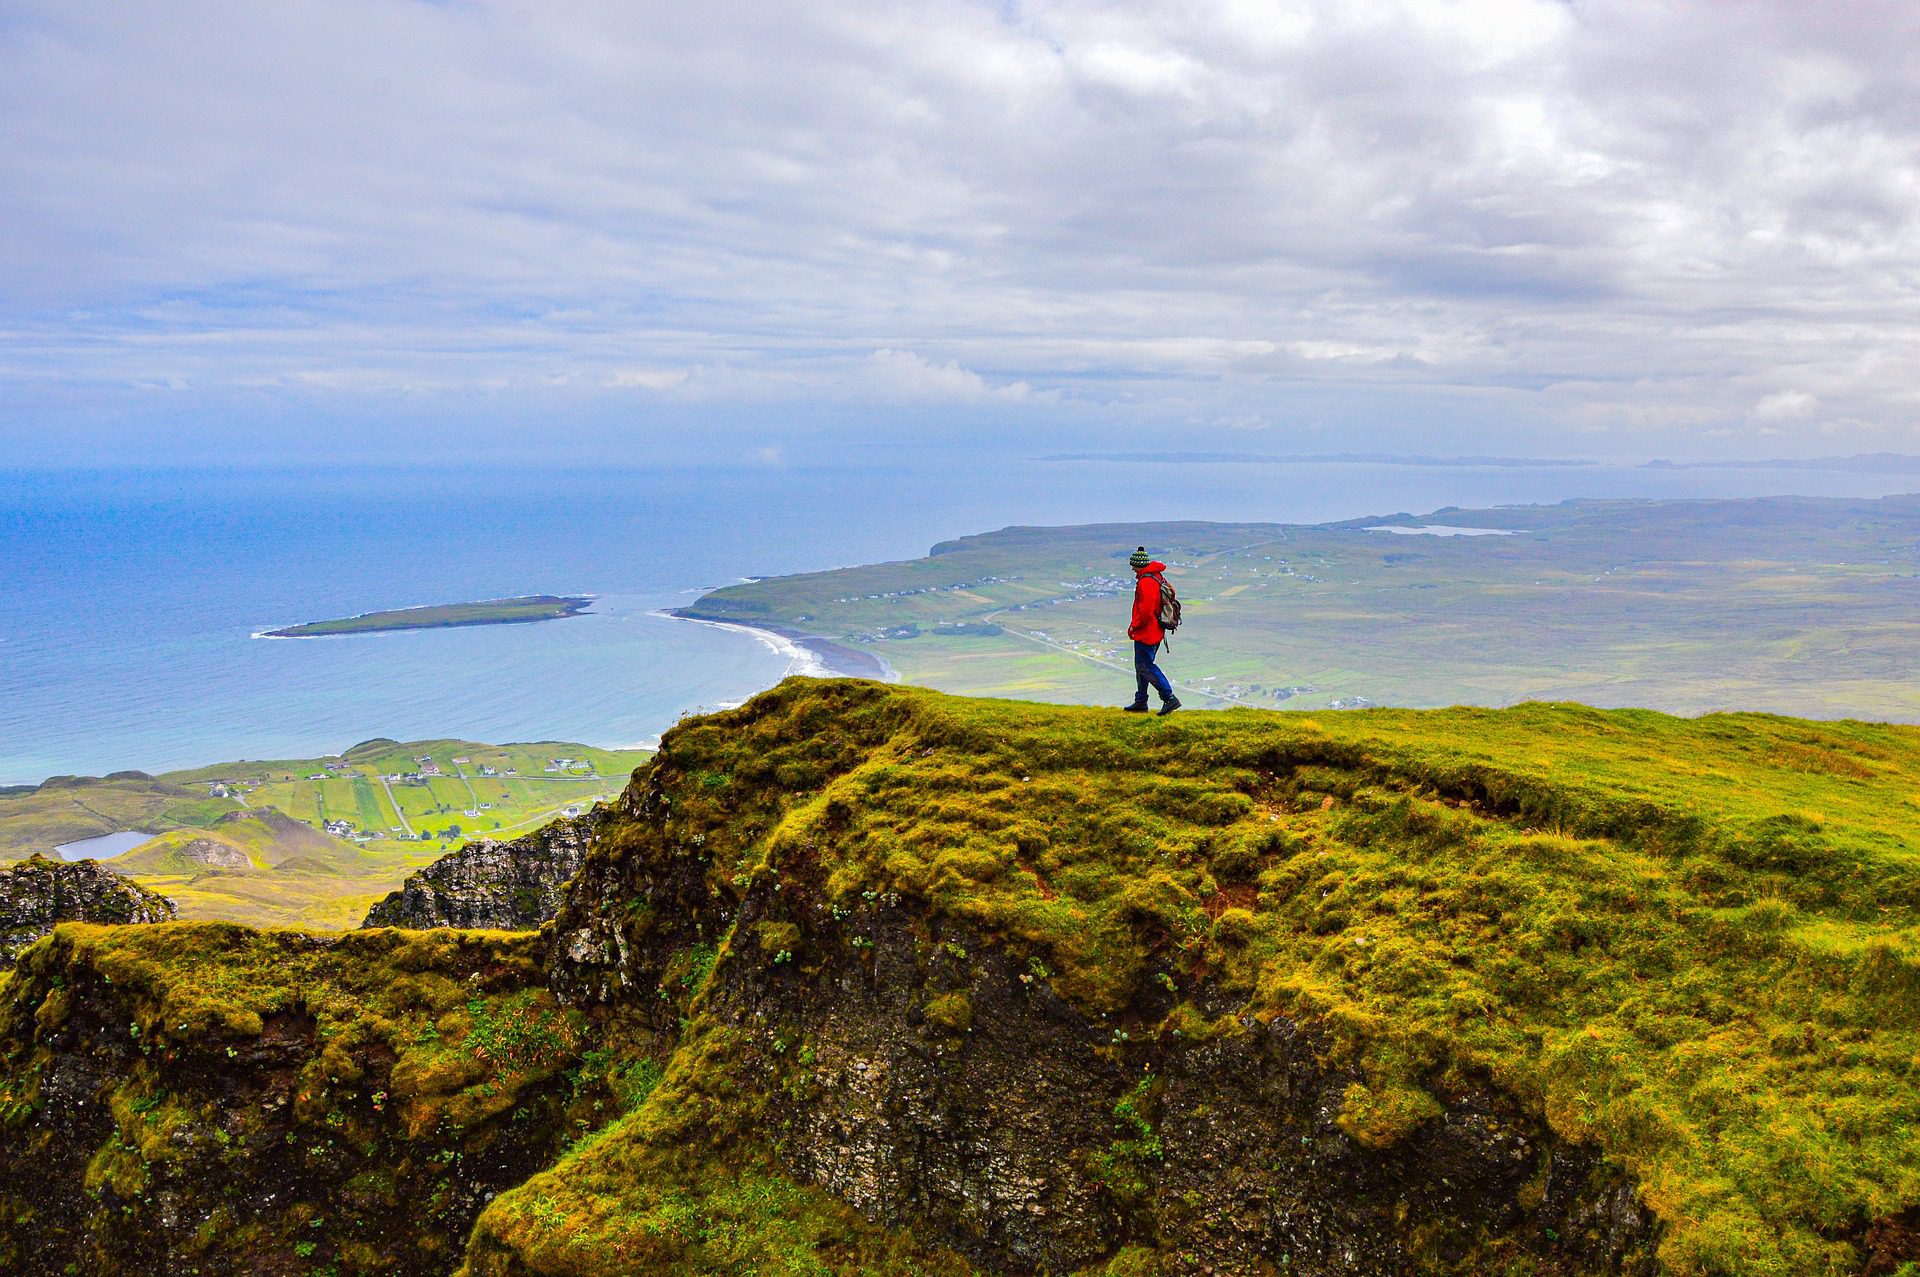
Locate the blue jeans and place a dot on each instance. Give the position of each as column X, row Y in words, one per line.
column 1146, row 672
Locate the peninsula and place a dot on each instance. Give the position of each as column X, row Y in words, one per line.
column 529, row 607
column 1791, row 605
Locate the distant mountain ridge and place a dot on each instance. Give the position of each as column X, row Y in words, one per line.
column 1797, row 605
column 254, row 839
column 1865, row 462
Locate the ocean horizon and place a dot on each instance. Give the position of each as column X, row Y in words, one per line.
column 132, row 598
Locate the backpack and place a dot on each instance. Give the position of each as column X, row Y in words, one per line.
column 1169, row 605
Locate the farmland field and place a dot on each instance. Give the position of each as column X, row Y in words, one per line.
column 273, row 814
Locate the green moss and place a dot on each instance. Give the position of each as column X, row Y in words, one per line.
column 1382, row 1118
column 951, row 1011
column 676, row 1187
column 1123, row 1166
column 1693, row 943
column 777, row 938
column 392, row 1053
column 1129, row 1261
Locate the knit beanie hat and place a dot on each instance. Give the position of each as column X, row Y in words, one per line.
column 1139, row 559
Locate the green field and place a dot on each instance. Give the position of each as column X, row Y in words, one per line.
column 531, row 607
column 1791, row 605
column 210, row 817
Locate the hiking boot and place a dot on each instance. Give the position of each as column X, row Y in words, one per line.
column 1138, row 707
column 1167, row 707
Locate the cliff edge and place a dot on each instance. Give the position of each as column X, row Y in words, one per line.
column 867, row 979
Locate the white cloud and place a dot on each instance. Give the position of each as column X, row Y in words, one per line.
column 904, row 376
column 648, row 378
column 1637, row 218
column 1785, row 405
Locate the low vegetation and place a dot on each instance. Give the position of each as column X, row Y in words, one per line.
column 1691, row 945
column 528, row 607
column 1796, row 605
column 246, row 841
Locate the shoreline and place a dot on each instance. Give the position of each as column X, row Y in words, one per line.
column 807, row 654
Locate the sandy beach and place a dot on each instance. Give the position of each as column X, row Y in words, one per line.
column 807, row 654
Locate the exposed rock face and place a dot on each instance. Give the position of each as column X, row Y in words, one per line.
column 498, row 886
column 38, row 893
column 321, row 1112
column 854, row 974
column 1034, row 1138
column 948, row 1089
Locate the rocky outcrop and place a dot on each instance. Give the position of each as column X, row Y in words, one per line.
column 866, row 979
column 39, row 893
column 924, row 1072
column 496, row 886
column 338, row 1104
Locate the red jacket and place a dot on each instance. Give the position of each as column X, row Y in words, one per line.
column 1145, row 626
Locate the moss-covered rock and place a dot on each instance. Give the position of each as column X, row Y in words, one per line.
column 205, row 1098
column 511, row 885
column 37, row 894
column 868, row 979
column 1622, row 981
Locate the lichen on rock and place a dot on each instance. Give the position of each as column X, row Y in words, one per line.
column 488, row 884
column 36, row 894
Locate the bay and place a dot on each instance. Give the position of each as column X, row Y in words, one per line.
column 129, row 598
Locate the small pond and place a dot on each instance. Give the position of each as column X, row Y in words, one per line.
column 104, row 847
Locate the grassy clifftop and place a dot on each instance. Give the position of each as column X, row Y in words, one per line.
column 1690, row 944
column 859, row 978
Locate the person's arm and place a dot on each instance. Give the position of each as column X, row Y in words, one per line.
column 1146, row 603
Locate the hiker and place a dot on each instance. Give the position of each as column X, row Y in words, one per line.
column 1154, row 605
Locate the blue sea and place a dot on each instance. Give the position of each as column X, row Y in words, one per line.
column 129, row 599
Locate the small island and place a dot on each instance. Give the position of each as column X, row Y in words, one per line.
column 530, row 607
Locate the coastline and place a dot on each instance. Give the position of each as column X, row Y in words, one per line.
column 807, row 654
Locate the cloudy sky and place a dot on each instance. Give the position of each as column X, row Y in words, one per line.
column 330, row 229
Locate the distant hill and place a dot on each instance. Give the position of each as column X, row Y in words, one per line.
column 1794, row 605
column 63, row 809
column 256, row 839
column 249, row 840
